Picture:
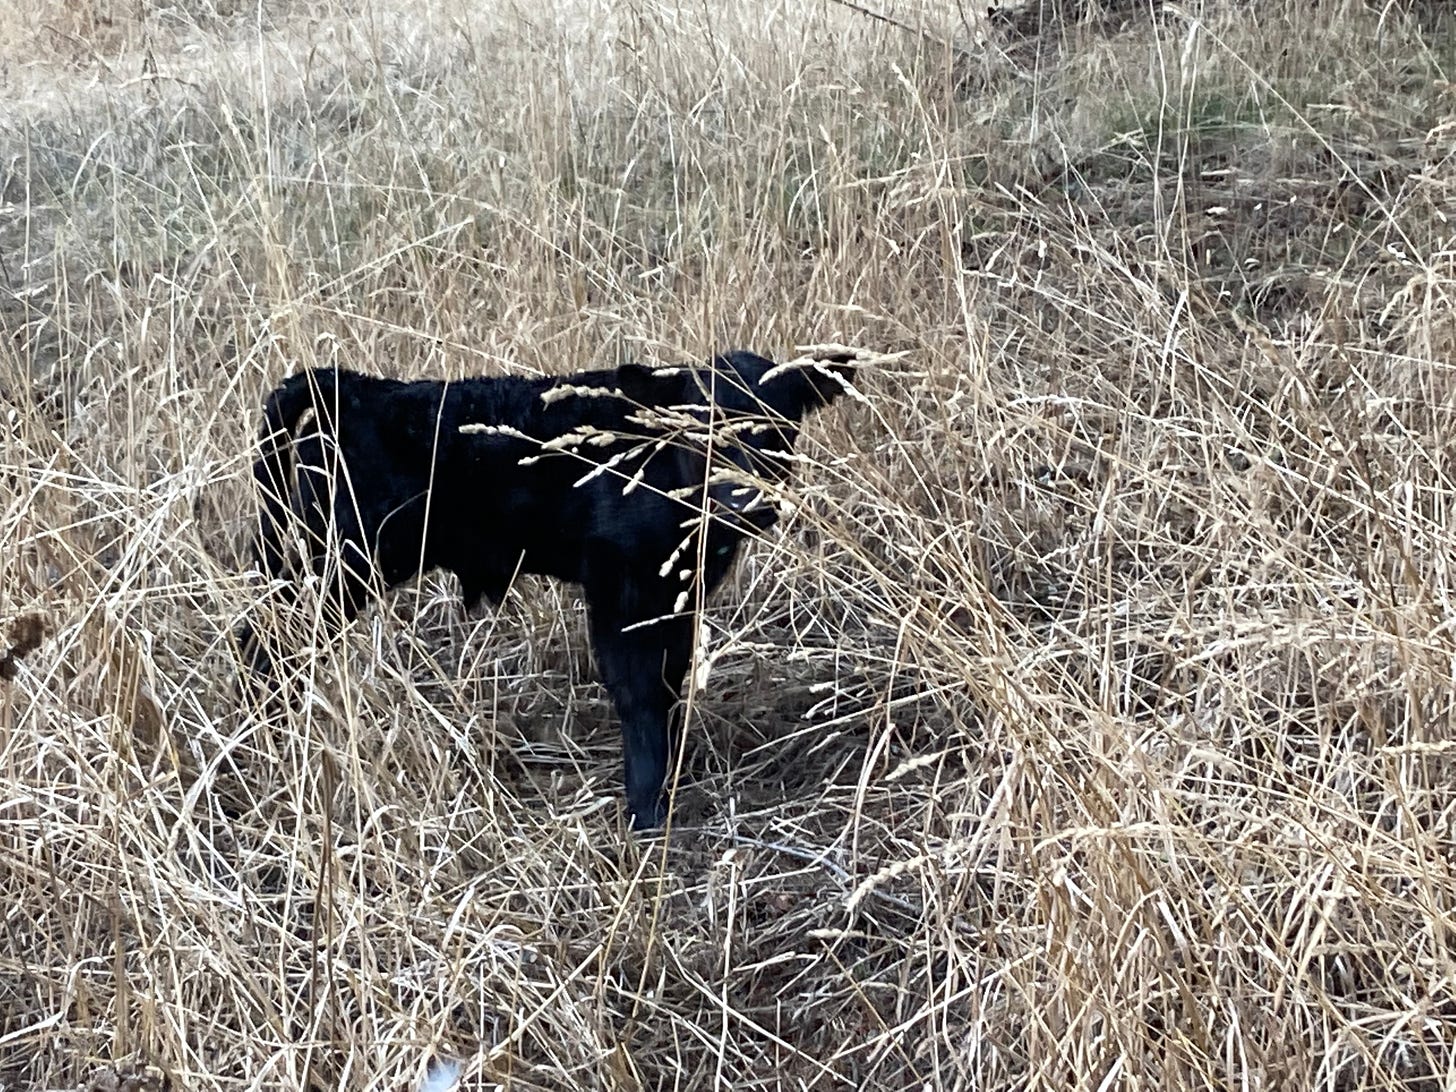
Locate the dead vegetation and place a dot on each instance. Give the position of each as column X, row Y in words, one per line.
column 1089, row 726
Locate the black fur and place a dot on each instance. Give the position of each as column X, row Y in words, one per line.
column 384, row 484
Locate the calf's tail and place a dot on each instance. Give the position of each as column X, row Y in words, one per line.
column 273, row 469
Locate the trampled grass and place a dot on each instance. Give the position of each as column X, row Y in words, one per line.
column 1089, row 724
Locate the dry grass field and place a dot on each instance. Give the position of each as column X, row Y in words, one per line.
column 1089, row 725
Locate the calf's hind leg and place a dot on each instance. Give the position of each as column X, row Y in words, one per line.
column 331, row 536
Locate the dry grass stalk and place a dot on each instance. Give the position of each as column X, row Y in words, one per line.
column 1088, row 726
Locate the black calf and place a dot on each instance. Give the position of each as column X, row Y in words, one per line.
column 627, row 481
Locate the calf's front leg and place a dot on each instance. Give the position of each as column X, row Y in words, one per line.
column 642, row 653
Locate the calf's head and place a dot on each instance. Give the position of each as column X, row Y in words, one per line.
column 735, row 421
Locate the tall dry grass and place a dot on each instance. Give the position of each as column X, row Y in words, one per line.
column 1089, row 725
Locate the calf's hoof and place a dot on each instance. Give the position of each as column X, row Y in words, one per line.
column 648, row 812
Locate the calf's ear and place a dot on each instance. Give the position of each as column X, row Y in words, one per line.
column 806, row 384
column 828, row 374
column 646, row 386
